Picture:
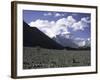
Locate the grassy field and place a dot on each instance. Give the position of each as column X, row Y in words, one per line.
column 37, row 57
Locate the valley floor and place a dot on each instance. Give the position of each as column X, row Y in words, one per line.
column 36, row 57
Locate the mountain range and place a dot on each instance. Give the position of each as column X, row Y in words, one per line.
column 33, row 37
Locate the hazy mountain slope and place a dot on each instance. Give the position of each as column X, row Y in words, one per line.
column 34, row 37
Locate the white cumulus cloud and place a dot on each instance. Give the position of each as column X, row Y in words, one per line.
column 80, row 25
column 81, row 42
column 67, row 22
column 47, row 14
column 53, row 28
column 59, row 14
column 61, row 26
column 44, row 25
column 85, row 19
column 40, row 23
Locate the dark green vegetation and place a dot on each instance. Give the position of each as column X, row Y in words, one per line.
column 34, row 58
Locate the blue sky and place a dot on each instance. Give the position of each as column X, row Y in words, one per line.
column 78, row 24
